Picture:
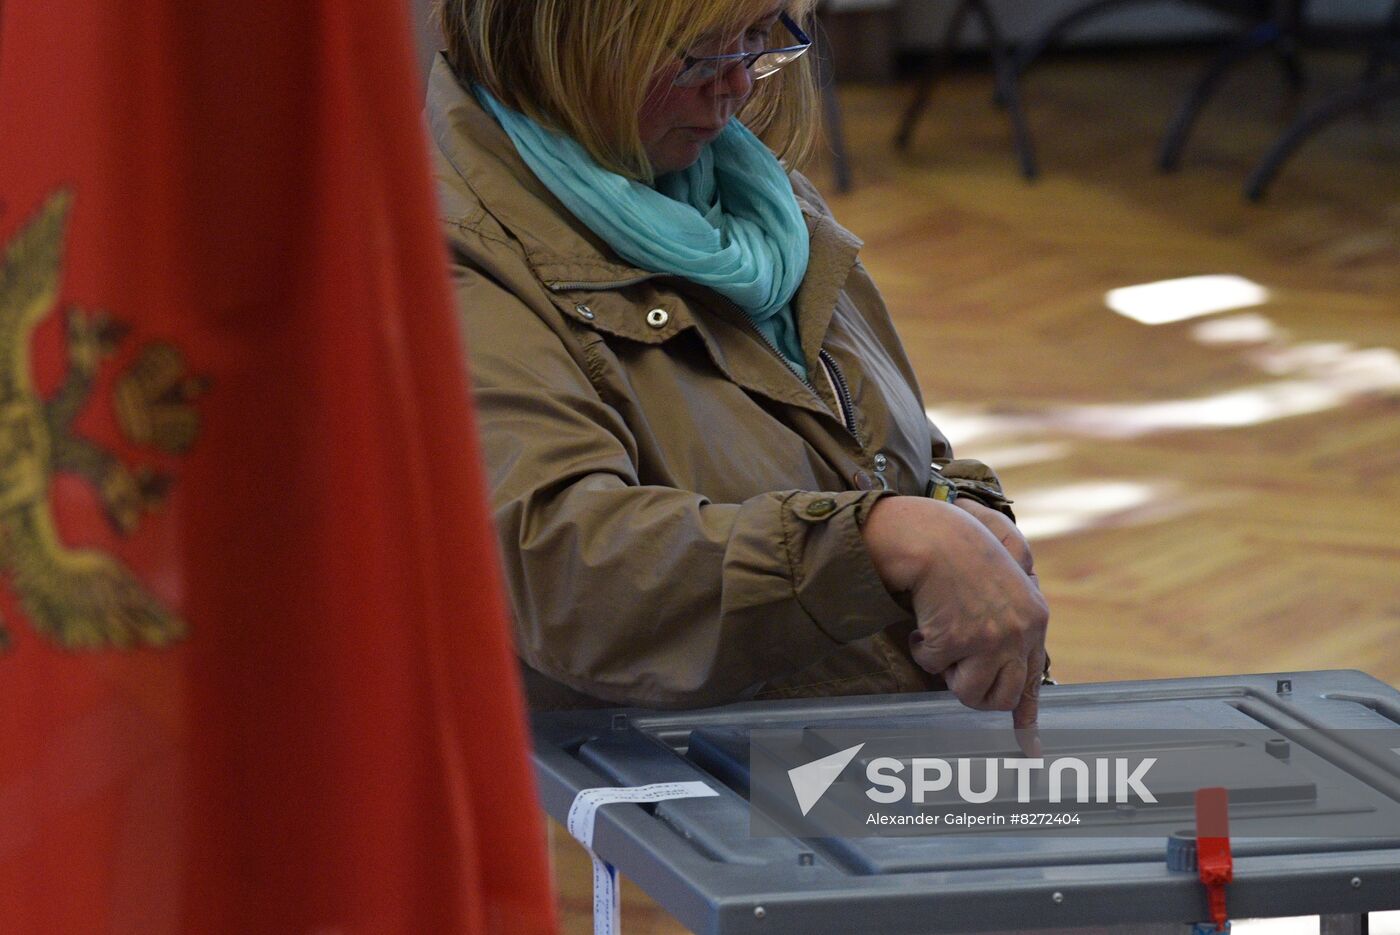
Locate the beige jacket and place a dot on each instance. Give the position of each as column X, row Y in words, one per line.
column 679, row 514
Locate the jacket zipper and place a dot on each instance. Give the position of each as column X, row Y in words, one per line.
column 843, row 393
column 843, row 389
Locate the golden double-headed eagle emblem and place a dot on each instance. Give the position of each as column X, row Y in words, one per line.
column 79, row 598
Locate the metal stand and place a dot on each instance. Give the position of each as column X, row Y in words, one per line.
column 1353, row 924
column 1007, row 91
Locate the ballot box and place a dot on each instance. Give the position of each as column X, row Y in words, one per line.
column 884, row 814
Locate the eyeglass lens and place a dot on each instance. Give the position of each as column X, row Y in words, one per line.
column 706, row 69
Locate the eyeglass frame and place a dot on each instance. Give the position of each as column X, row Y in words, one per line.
column 749, row 59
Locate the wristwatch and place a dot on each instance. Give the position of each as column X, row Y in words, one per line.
column 948, row 489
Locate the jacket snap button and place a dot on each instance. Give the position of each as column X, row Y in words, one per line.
column 584, row 311
column 822, row 507
column 881, row 462
column 863, row 480
column 658, row 317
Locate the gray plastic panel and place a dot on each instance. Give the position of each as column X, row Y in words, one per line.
column 697, row 859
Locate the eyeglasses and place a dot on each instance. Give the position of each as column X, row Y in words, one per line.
column 697, row 70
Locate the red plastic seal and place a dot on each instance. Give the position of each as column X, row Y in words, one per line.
column 1216, row 867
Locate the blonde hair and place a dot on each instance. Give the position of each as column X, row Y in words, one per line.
column 583, row 67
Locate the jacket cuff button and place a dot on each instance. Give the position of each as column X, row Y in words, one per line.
column 823, row 507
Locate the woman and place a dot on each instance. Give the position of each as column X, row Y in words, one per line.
column 710, row 466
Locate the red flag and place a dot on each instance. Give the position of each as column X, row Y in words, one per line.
column 254, row 672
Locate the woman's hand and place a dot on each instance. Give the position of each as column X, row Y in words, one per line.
column 1007, row 532
column 981, row 617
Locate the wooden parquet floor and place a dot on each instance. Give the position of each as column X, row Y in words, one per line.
column 1212, row 496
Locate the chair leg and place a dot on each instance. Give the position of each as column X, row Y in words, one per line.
column 1007, row 90
column 1289, row 16
column 1358, row 98
column 1292, row 67
column 1387, row 51
column 923, row 93
column 1261, row 37
column 836, row 134
column 831, row 118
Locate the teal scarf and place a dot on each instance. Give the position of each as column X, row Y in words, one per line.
column 730, row 221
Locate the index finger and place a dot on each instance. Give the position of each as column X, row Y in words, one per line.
column 1025, row 717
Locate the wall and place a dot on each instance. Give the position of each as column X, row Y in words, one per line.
column 920, row 24
column 922, row 21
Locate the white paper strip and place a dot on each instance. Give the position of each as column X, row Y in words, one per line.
column 607, row 910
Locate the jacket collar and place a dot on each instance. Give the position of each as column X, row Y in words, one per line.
column 570, row 259
column 558, row 246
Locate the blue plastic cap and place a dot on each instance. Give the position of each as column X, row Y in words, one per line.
column 1208, row 928
column 1181, row 852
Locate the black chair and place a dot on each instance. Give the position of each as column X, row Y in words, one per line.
column 1004, row 64
column 1279, row 30
column 1268, row 25
column 1371, row 89
column 1054, row 32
